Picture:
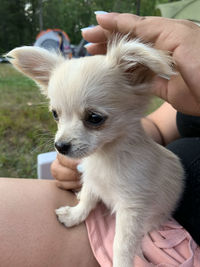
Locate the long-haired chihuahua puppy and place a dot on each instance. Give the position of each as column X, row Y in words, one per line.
column 98, row 103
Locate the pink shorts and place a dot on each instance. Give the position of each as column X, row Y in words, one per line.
column 169, row 247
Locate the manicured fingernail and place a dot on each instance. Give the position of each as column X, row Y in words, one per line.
column 80, row 168
column 87, row 28
column 88, row 44
column 100, row 12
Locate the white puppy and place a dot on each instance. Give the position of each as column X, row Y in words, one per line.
column 98, row 103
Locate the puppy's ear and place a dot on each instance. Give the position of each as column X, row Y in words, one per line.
column 37, row 63
column 139, row 61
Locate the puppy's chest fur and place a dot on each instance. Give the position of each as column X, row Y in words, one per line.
column 118, row 178
column 101, row 177
column 135, row 177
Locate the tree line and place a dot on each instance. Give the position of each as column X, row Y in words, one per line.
column 22, row 20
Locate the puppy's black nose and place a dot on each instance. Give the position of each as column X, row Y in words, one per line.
column 63, row 147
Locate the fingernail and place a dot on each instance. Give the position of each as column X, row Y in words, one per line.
column 80, row 168
column 100, row 12
column 87, row 28
column 88, row 44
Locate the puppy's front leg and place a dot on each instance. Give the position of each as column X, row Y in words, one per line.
column 71, row 216
column 128, row 235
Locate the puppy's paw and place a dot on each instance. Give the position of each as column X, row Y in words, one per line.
column 69, row 216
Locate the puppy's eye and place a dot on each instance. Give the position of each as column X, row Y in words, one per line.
column 55, row 115
column 94, row 119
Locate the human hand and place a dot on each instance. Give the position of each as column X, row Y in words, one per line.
column 180, row 37
column 64, row 170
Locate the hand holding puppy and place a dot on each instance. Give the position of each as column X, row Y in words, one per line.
column 64, row 170
column 177, row 36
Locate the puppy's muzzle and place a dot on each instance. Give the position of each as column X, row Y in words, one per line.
column 63, row 147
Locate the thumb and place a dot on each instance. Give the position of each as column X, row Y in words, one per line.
column 176, row 92
column 159, row 87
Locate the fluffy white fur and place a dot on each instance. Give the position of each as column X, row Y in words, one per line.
column 137, row 179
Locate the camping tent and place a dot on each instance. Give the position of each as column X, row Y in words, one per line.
column 185, row 9
column 54, row 39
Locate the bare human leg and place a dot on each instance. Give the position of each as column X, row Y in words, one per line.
column 30, row 234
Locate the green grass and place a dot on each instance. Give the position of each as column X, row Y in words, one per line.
column 26, row 126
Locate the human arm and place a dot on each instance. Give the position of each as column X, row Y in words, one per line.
column 180, row 37
column 160, row 125
column 30, row 232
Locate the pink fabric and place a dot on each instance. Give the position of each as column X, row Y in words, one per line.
column 171, row 246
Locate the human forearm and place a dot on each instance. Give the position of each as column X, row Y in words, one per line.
column 152, row 130
column 160, row 125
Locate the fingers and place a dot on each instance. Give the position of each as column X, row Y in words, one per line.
column 176, row 92
column 64, row 170
column 98, row 37
column 63, row 173
column 68, row 162
column 96, row 34
column 123, row 23
column 108, row 23
column 69, row 185
column 116, row 22
column 164, row 33
column 97, row 49
column 176, row 36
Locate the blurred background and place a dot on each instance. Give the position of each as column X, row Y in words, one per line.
column 22, row 20
column 26, row 127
